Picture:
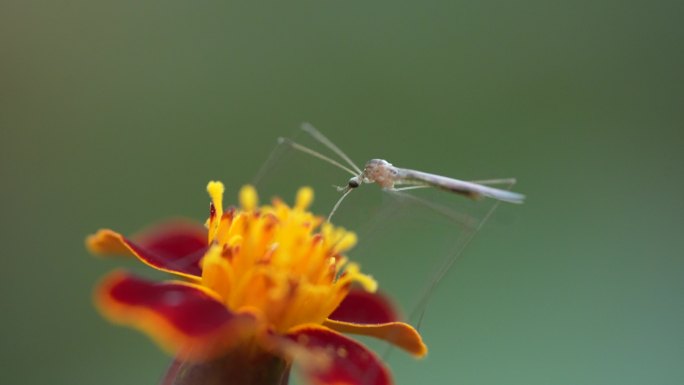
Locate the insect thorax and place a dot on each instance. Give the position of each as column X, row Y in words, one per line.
column 381, row 172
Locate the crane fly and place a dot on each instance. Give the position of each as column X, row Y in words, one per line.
column 447, row 243
column 392, row 178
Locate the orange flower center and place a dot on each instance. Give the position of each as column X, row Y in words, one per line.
column 280, row 261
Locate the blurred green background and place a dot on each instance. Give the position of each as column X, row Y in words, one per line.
column 116, row 114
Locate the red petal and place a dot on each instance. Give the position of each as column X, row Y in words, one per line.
column 173, row 239
column 175, row 247
column 182, row 317
column 331, row 358
column 362, row 307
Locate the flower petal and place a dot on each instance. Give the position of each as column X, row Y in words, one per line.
column 362, row 307
column 399, row 334
column 326, row 357
column 182, row 317
column 372, row 314
column 175, row 247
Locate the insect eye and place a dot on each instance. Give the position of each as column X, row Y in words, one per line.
column 353, row 183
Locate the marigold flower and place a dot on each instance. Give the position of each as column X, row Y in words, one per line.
column 261, row 285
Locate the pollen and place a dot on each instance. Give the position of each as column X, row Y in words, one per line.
column 281, row 261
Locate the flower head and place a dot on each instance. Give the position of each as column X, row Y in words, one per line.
column 273, row 277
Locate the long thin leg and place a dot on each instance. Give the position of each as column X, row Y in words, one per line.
column 311, row 130
column 462, row 219
column 469, row 225
column 316, row 154
column 457, row 251
column 276, row 153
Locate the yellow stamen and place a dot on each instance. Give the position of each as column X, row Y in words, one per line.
column 353, row 273
column 215, row 190
column 285, row 261
column 347, row 241
column 216, row 272
column 304, row 198
column 248, row 198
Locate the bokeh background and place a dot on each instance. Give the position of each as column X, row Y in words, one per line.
column 116, row 114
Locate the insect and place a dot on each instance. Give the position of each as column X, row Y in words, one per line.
column 451, row 230
column 392, row 178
